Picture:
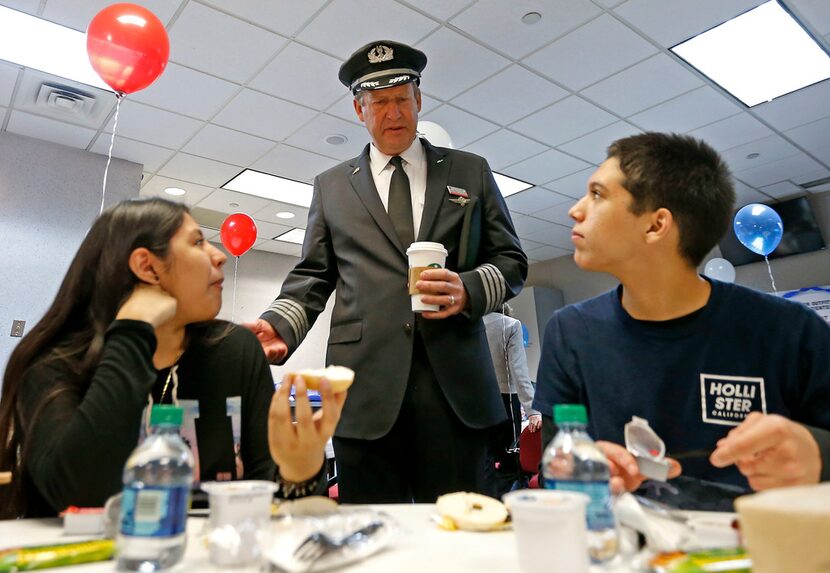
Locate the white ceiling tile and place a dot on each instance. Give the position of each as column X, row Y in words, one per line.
column 52, row 130
column 732, row 131
column 648, row 83
column 771, row 148
column 226, row 201
column 592, row 147
column 744, row 194
column 609, row 3
column 78, row 14
column 581, row 58
column 672, row 21
column 463, row 127
column 187, row 91
column 27, row 6
column 564, row 121
column 527, row 244
column 823, row 154
column 293, row 163
column 686, row 112
column 8, row 77
column 280, row 247
column 797, row 108
column 153, row 125
column 150, row 156
column 814, row 12
column 282, row 16
column 574, row 185
column 34, row 85
column 209, row 234
column 456, row 63
column 496, row 98
column 268, row 230
column 813, row 135
column 263, row 115
column 798, row 169
column 346, row 25
column 209, row 40
column 222, row 144
column 553, row 234
column 545, row 167
column 269, row 214
column 558, row 213
column 155, row 186
column 199, row 170
column 312, row 137
column 782, row 189
column 504, row 148
column 525, row 225
column 441, row 9
column 302, row 75
column 499, row 24
column 547, row 252
column 533, row 200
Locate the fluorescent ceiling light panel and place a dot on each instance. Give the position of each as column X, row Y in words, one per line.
column 271, row 187
column 295, row 236
column 42, row 45
column 758, row 56
column 510, row 186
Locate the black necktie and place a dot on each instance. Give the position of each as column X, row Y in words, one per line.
column 400, row 203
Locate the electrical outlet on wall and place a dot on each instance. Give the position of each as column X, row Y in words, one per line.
column 17, row 328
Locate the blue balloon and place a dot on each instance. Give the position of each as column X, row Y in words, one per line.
column 758, row 228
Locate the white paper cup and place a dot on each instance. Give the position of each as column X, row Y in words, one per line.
column 238, row 509
column 424, row 255
column 550, row 530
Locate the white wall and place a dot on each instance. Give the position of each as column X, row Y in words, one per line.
column 259, row 278
column 49, row 197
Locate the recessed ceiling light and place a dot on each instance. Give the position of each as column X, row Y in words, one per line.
column 531, row 18
column 233, row 204
column 271, row 187
column 758, row 56
column 285, row 215
column 46, row 46
column 296, row 236
column 753, row 156
column 176, row 191
column 509, row 185
column 336, row 139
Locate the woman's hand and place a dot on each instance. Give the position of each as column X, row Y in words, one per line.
column 148, row 303
column 299, row 448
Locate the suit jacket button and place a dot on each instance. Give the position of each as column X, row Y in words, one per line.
column 407, row 327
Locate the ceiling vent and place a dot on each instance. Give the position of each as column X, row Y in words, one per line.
column 65, row 99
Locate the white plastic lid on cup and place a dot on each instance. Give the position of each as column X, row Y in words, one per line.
column 234, row 501
column 421, row 246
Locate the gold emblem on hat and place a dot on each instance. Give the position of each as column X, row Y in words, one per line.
column 380, row 53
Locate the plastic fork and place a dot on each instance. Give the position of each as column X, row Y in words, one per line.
column 318, row 544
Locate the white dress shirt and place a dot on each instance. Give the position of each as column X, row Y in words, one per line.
column 415, row 167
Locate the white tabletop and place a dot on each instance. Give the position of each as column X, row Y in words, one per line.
column 421, row 547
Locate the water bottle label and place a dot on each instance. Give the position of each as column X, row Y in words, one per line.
column 599, row 514
column 154, row 511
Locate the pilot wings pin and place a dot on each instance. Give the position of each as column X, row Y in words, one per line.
column 459, row 195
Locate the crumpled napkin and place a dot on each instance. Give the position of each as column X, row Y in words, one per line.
column 282, row 538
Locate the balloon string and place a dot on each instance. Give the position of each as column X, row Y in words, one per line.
column 771, row 278
column 118, row 97
column 233, row 304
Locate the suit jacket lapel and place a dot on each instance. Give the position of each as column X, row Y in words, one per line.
column 438, row 171
column 364, row 185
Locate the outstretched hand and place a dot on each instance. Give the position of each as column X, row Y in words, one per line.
column 273, row 345
column 299, row 448
column 148, row 303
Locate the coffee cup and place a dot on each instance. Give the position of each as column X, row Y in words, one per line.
column 423, row 255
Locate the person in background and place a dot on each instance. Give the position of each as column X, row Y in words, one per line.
column 734, row 380
column 504, row 337
column 133, row 325
column 416, row 423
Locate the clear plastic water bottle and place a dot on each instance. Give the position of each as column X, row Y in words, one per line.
column 157, row 482
column 573, row 462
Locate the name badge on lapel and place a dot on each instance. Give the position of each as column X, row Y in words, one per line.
column 458, row 195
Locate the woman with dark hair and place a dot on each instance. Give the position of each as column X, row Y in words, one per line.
column 133, row 325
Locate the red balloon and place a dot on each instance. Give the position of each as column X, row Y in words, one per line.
column 128, row 47
column 238, row 234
